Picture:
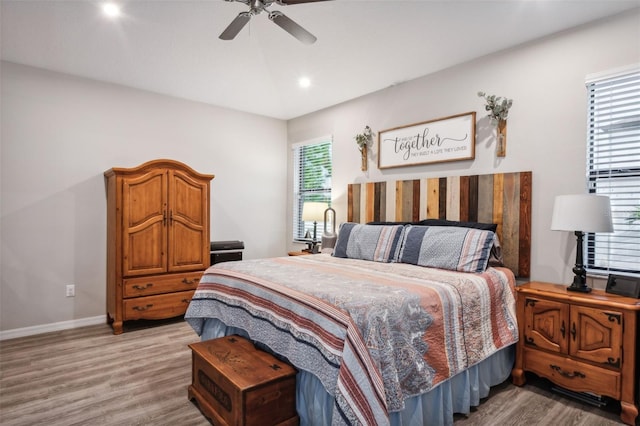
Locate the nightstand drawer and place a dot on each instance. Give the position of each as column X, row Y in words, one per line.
column 573, row 375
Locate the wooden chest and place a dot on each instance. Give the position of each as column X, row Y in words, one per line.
column 236, row 384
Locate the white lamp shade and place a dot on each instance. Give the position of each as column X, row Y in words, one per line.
column 582, row 212
column 313, row 211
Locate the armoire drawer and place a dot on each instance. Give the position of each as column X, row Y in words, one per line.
column 157, row 307
column 160, row 284
column 570, row 374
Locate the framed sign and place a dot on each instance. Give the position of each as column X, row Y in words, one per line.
column 445, row 139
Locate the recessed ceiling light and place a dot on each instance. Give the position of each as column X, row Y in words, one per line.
column 304, row 82
column 112, row 10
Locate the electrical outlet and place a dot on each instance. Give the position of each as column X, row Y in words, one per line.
column 71, row 290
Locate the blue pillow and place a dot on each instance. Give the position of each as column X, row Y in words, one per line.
column 447, row 247
column 369, row 242
column 443, row 222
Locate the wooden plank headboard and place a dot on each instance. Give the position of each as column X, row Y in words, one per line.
column 500, row 198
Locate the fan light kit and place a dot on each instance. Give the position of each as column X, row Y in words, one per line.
column 280, row 19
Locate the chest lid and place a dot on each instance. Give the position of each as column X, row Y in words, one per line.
column 240, row 362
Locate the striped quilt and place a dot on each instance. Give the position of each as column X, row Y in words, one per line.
column 373, row 333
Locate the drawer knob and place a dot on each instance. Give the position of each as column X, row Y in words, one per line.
column 613, row 362
column 186, row 300
column 565, row 374
column 186, row 281
column 142, row 308
column 139, row 287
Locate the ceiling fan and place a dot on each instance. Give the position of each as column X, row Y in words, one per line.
column 258, row 6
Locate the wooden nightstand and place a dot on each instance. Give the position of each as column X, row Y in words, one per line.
column 298, row 253
column 586, row 342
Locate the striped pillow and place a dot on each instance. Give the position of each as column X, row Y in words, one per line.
column 369, row 242
column 447, row 247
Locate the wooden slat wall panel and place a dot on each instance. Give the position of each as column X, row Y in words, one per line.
column 400, row 199
column 453, row 198
column 442, row 202
column 370, row 200
column 501, row 198
column 415, row 215
column 524, row 262
column 472, row 206
column 511, row 220
column 380, row 214
column 353, row 202
column 375, row 203
column 404, row 199
column 464, row 198
column 433, row 198
column 485, row 199
column 380, row 206
column 498, row 196
column 407, row 200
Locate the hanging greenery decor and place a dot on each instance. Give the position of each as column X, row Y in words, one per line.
column 363, row 140
column 498, row 108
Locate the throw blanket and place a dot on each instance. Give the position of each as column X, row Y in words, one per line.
column 373, row 333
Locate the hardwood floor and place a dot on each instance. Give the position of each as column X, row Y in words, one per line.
column 88, row 376
column 536, row 404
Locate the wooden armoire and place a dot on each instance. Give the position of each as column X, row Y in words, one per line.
column 157, row 239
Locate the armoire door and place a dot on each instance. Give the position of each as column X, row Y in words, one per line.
column 144, row 216
column 188, row 223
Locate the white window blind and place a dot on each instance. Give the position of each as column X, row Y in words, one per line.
column 312, row 165
column 614, row 169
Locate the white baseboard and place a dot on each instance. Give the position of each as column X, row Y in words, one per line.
column 56, row 326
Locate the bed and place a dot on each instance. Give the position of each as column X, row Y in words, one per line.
column 405, row 323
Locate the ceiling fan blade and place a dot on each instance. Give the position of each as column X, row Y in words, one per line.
column 235, row 26
column 291, row 27
column 290, row 2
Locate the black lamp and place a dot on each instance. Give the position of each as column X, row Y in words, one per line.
column 581, row 213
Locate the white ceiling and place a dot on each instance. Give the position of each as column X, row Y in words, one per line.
column 172, row 46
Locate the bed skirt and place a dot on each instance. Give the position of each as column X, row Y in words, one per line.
column 436, row 407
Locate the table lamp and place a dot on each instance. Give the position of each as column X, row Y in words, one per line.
column 313, row 212
column 581, row 213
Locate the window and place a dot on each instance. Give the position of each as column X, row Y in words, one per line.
column 614, row 169
column 312, row 171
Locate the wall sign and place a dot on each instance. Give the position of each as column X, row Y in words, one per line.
column 445, row 139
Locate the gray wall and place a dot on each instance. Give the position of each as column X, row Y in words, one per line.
column 546, row 125
column 60, row 133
